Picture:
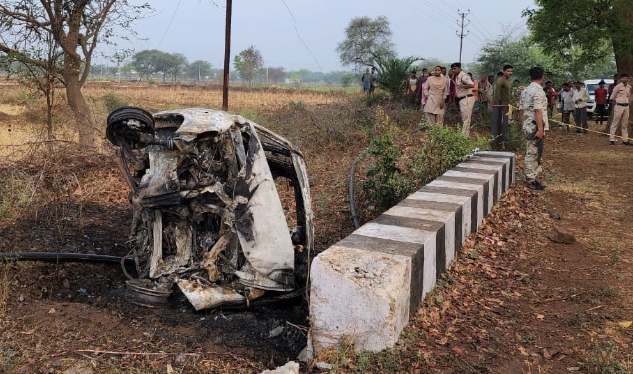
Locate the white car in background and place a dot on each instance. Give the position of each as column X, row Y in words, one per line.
column 591, row 85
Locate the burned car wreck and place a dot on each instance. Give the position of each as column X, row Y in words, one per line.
column 208, row 216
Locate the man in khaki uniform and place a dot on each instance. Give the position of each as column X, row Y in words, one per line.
column 620, row 103
column 532, row 112
column 464, row 85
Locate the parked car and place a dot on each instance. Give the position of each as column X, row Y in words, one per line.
column 591, row 85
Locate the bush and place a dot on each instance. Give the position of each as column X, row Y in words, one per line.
column 396, row 174
column 443, row 149
column 113, row 102
column 385, row 185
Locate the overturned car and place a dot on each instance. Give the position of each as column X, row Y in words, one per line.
column 208, row 216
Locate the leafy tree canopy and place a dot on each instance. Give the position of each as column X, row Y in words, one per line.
column 520, row 52
column 199, row 69
column 595, row 28
column 366, row 40
column 248, row 62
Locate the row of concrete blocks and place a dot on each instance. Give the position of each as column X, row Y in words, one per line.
column 365, row 287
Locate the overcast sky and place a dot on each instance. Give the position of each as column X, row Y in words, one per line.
column 300, row 34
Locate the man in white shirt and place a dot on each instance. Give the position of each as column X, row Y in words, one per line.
column 567, row 98
column 464, row 87
column 580, row 96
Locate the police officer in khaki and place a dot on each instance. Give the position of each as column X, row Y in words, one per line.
column 620, row 104
column 464, row 85
column 532, row 111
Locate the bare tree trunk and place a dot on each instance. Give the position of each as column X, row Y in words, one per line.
column 622, row 45
column 83, row 118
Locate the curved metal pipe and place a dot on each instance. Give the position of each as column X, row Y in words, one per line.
column 352, row 204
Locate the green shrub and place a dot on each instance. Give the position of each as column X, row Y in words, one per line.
column 385, row 185
column 377, row 98
column 443, row 149
column 297, row 105
column 113, row 102
column 396, row 174
column 516, row 142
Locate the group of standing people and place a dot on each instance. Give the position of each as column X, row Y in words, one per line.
column 433, row 92
column 574, row 97
column 369, row 80
column 535, row 101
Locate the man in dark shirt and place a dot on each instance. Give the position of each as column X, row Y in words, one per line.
column 600, row 94
column 500, row 108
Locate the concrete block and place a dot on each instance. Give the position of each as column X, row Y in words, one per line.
column 367, row 285
column 361, row 295
column 473, row 214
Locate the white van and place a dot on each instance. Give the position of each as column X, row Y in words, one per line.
column 591, row 85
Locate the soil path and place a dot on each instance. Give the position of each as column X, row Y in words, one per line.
column 517, row 302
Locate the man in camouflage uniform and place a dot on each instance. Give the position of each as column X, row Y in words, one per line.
column 531, row 111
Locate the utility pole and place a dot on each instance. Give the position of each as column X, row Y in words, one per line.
column 461, row 34
column 227, row 56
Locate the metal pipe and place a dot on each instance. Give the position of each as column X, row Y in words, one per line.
column 352, row 204
column 62, row 256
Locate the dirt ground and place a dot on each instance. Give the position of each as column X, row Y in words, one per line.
column 517, row 302
column 514, row 302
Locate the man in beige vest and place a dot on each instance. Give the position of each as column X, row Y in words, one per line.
column 464, row 85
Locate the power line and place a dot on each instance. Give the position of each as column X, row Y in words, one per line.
column 294, row 24
column 169, row 24
column 461, row 35
column 432, row 14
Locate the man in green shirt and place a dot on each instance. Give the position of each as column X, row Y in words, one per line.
column 500, row 108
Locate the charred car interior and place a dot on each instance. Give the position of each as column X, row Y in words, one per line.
column 208, row 216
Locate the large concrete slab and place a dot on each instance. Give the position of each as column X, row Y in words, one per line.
column 365, row 287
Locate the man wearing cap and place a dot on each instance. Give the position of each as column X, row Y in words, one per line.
column 620, row 102
column 464, row 86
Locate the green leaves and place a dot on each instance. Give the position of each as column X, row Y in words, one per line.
column 365, row 40
column 392, row 72
column 247, row 63
column 591, row 27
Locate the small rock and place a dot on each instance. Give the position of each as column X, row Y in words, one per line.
column 276, row 332
column 323, row 365
column 289, row 368
column 560, row 235
column 180, row 359
column 306, row 354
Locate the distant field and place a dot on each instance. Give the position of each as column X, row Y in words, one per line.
column 23, row 113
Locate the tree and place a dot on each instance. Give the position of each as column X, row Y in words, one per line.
column 365, row 41
column 42, row 79
column 76, row 27
column 277, row 75
column 393, row 72
column 247, row 63
column 146, row 62
column 198, row 70
column 175, row 64
column 597, row 28
column 520, row 51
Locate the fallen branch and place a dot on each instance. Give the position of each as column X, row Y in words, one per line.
column 96, row 351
